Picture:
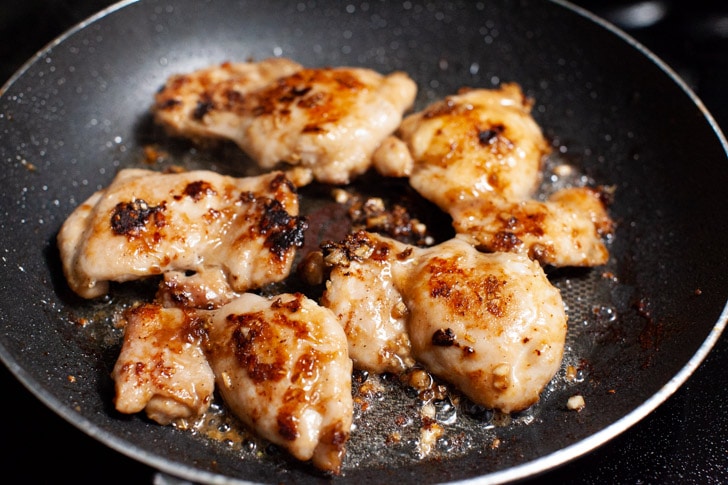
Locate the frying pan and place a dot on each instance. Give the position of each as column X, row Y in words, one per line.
column 639, row 326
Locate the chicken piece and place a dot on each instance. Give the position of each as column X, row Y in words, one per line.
column 327, row 120
column 281, row 365
column 491, row 324
column 566, row 230
column 242, row 231
column 478, row 156
column 363, row 291
column 473, row 144
column 162, row 368
column 203, row 104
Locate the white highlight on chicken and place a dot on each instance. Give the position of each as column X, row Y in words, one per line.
column 478, row 155
column 282, row 366
column 490, row 323
column 232, row 234
column 162, row 368
column 327, row 120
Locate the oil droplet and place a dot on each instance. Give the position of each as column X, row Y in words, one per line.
column 604, row 314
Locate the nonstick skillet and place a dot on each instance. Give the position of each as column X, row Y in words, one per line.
column 78, row 112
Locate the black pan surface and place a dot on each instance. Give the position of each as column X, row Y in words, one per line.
column 78, row 112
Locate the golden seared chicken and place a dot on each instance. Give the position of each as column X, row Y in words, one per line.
column 326, row 120
column 364, row 291
column 478, row 156
column 490, row 323
column 162, row 368
column 281, row 365
column 568, row 229
column 469, row 145
column 209, row 233
column 203, row 104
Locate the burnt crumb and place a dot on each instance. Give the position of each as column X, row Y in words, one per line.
column 292, row 305
column 392, row 208
column 491, row 135
column 381, row 252
column 203, row 107
column 356, row 246
column 233, row 99
column 154, row 155
column 312, row 269
column 371, row 214
column 406, row 254
column 446, row 107
column 130, row 218
column 506, row 241
column 281, row 180
column 287, row 427
column 168, row 103
column 359, row 376
column 605, row 193
column 443, row 337
column 316, row 99
column 299, row 91
column 272, row 450
column 198, row 189
column 247, row 197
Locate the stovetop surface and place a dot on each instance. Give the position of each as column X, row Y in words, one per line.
column 685, row 440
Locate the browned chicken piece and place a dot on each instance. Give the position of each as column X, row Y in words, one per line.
column 281, row 365
column 568, row 229
column 473, row 144
column 326, row 120
column 364, row 291
column 162, row 368
column 204, row 231
column 478, row 155
column 202, row 104
column 490, row 323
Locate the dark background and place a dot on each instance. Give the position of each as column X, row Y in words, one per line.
column 684, row 441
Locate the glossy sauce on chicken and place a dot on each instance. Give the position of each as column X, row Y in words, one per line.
column 491, row 324
column 478, row 155
column 326, row 120
column 282, row 366
column 241, row 233
column 466, row 323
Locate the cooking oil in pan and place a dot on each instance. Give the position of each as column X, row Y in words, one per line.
column 412, row 416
